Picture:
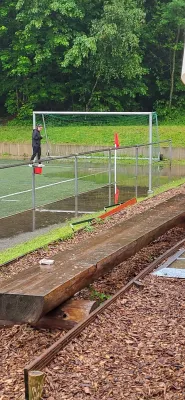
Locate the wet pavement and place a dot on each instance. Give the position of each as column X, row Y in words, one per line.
column 24, row 226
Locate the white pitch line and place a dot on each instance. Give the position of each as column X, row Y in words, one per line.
column 40, row 187
column 49, row 185
column 15, row 194
column 9, row 200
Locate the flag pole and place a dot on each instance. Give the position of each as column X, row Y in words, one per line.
column 115, row 173
column 116, row 191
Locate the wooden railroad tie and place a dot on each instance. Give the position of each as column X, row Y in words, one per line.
column 67, row 315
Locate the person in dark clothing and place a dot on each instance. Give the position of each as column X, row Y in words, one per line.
column 36, row 144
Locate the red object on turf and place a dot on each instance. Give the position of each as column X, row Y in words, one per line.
column 116, row 140
column 116, row 196
column 38, row 170
column 117, row 209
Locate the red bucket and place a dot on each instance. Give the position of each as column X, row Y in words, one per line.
column 37, row 170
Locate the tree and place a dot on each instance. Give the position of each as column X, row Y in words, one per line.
column 163, row 44
column 68, row 54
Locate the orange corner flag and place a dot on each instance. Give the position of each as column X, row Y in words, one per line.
column 116, row 196
column 116, row 140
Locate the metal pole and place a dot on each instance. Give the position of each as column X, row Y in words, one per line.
column 33, row 199
column 170, row 158
column 136, row 188
column 47, row 143
column 115, row 173
column 92, row 112
column 170, row 152
column 150, row 191
column 76, row 186
column 34, row 120
column 110, row 177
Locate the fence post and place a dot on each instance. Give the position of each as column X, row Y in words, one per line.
column 136, row 172
column 35, row 382
column 109, row 177
column 170, row 152
column 33, row 199
column 76, row 186
column 150, row 191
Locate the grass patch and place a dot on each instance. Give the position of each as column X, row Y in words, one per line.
column 100, row 296
column 63, row 233
column 164, row 188
column 170, row 185
column 96, row 135
column 36, row 243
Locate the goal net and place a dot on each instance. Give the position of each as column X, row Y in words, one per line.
column 98, row 129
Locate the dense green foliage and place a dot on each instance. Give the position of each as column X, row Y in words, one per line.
column 91, row 55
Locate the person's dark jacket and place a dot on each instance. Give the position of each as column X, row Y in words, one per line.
column 36, row 138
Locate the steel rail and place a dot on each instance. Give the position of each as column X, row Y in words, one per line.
column 48, row 355
column 105, row 149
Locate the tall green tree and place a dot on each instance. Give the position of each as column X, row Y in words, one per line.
column 163, row 46
column 71, row 54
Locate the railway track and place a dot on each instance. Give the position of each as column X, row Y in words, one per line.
column 47, row 356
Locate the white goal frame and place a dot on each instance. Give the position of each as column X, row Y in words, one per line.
column 150, row 132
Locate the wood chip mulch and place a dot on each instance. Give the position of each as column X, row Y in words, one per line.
column 119, row 276
column 20, row 344
column 134, row 351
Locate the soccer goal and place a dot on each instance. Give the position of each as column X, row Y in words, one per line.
column 98, row 128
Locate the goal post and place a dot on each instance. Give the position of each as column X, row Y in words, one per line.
column 133, row 125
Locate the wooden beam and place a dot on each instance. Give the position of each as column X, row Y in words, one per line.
column 67, row 315
column 34, row 292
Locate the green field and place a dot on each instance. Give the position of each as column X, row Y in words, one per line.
column 96, row 135
column 57, row 181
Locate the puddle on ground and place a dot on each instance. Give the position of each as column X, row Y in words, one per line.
column 51, row 214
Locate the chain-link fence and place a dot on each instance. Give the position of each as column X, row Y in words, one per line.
column 83, row 183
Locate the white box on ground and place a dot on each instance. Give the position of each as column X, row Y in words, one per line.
column 45, row 261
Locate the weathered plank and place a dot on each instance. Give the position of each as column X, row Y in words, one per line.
column 67, row 315
column 34, row 292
